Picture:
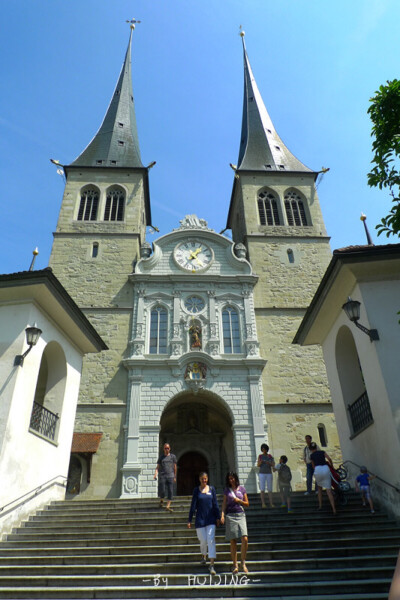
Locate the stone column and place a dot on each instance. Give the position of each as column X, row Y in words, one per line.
column 138, row 343
column 213, row 342
column 132, row 467
column 257, row 410
column 245, row 455
column 176, row 342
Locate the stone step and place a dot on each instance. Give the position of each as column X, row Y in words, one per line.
column 113, row 565
column 276, row 535
column 69, row 556
column 254, row 517
column 356, row 589
column 183, row 579
column 128, row 554
column 337, row 539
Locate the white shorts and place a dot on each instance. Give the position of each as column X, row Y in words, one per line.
column 265, row 478
column 322, row 474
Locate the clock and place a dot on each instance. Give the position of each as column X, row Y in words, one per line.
column 194, row 304
column 193, row 256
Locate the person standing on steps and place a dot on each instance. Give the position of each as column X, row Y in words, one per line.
column 235, row 498
column 205, row 505
column 266, row 463
column 166, row 471
column 322, row 473
column 307, row 461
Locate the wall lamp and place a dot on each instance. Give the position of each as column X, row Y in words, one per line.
column 32, row 335
column 352, row 310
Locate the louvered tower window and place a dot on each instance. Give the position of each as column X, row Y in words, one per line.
column 158, row 331
column 115, row 204
column 295, row 210
column 88, row 205
column 268, row 209
column 231, row 332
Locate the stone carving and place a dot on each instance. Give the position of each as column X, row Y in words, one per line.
column 139, row 330
column 213, row 330
column 213, row 348
column 193, row 222
column 249, row 330
column 138, row 348
column 196, row 371
column 130, row 485
column 240, row 250
column 176, row 348
column 145, row 250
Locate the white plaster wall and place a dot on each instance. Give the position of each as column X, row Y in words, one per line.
column 378, row 446
column 27, row 460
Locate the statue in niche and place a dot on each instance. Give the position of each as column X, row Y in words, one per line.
column 195, row 336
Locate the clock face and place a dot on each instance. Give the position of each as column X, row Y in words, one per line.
column 193, row 256
column 194, row 304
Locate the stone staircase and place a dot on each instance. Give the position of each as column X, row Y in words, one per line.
column 133, row 549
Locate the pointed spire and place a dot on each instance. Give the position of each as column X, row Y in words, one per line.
column 261, row 148
column 116, row 143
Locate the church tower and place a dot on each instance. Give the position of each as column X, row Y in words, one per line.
column 101, row 226
column 275, row 213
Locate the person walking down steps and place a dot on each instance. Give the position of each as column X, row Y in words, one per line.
column 166, row 472
column 205, row 505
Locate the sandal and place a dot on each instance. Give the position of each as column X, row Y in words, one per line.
column 235, row 569
column 169, row 509
column 244, row 568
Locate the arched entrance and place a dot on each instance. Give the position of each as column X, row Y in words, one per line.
column 190, row 465
column 199, row 429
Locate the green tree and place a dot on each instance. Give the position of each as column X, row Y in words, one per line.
column 384, row 112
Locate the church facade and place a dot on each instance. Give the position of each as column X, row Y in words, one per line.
column 199, row 326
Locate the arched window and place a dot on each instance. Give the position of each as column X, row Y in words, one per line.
column 323, row 439
column 295, row 209
column 115, row 204
column 352, row 382
column 231, row 332
column 158, row 331
column 49, row 393
column 268, row 208
column 89, row 204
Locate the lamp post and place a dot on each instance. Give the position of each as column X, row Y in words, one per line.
column 32, row 333
column 352, row 310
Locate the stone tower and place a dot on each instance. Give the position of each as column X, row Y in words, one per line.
column 275, row 213
column 101, row 226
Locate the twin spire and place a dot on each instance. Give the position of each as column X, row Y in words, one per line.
column 116, row 144
column 261, row 148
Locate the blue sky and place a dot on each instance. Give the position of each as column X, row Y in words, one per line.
column 316, row 63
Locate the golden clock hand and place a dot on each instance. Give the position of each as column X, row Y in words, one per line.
column 197, row 251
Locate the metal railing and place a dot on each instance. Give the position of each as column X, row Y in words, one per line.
column 376, row 476
column 35, row 491
column 360, row 413
column 43, row 421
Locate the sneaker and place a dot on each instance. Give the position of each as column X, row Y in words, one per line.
column 364, row 504
column 212, row 570
column 203, row 561
column 283, row 505
column 263, row 506
column 306, row 493
column 290, row 510
column 372, row 512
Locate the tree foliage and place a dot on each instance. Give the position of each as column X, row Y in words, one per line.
column 384, row 112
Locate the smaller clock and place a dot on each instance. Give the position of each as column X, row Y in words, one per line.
column 193, row 256
column 194, row 304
